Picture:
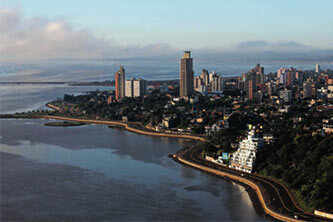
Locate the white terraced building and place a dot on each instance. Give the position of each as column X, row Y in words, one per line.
column 243, row 159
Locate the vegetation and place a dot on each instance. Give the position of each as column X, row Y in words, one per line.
column 304, row 162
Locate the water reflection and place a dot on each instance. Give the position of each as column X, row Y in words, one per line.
column 115, row 171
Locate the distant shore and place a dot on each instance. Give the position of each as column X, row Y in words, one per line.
column 87, row 83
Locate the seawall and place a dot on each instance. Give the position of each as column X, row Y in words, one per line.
column 242, row 180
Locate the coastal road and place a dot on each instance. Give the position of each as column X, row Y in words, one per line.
column 276, row 196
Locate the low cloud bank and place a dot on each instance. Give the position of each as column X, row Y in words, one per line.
column 42, row 38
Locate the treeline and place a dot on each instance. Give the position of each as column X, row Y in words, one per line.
column 304, row 162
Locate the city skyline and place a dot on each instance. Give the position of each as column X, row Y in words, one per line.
column 192, row 110
column 39, row 30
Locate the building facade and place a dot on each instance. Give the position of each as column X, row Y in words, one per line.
column 217, row 83
column 205, row 77
column 250, row 85
column 285, row 95
column 197, row 83
column 260, row 75
column 186, row 75
column 307, row 89
column 291, row 77
column 135, row 87
column 317, row 68
column 120, row 83
column 243, row 159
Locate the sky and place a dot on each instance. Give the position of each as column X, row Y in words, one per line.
column 130, row 28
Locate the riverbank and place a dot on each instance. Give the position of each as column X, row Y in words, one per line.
column 125, row 126
column 256, row 194
column 263, row 200
column 275, row 199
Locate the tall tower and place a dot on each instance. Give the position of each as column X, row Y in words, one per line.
column 250, row 85
column 186, row 75
column 120, row 83
column 205, row 77
column 317, row 68
column 291, row 76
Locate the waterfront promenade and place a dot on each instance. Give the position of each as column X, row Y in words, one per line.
column 275, row 198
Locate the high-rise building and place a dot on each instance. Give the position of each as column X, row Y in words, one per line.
column 257, row 97
column 317, row 68
column 135, row 87
column 129, row 88
column 186, row 75
column 205, row 77
column 217, row 83
column 269, row 88
column 285, row 95
column 139, row 87
column 210, row 77
column 120, row 83
column 250, row 85
column 243, row 77
column 291, row 77
column 307, row 89
column 283, row 78
column 241, row 83
column 197, row 83
column 300, row 77
column 281, row 71
column 260, row 77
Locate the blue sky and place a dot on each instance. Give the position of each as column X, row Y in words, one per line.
column 39, row 29
column 193, row 24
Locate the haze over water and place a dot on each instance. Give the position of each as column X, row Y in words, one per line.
column 92, row 70
column 94, row 173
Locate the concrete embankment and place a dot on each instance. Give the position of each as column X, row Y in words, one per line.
column 242, row 180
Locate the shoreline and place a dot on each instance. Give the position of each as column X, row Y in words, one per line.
column 125, row 126
column 121, row 124
column 251, row 187
column 242, row 182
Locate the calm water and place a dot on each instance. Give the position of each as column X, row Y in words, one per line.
column 94, row 173
column 150, row 70
column 22, row 98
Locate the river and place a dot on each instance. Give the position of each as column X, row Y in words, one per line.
column 96, row 173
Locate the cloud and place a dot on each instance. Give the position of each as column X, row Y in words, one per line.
column 42, row 38
column 9, row 19
column 253, row 44
column 261, row 45
column 38, row 38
